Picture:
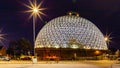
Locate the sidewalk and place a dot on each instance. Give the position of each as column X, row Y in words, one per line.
column 39, row 62
column 60, row 62
column 115, row 66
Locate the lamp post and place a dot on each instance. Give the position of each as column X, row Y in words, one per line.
column 36, row 11
column 34, row 21
column 107, row 38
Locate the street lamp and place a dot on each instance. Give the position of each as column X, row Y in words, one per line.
column 36, row 11
column 34, row 20
column 107, row 38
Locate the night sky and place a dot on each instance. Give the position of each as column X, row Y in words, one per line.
column 105, row 14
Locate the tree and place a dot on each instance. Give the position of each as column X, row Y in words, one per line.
column 25, row 46
column 13, row 49
column 21, row 46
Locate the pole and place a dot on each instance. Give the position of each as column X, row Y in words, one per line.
column 34, row 33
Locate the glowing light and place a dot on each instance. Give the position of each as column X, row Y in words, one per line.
column 35, row 9
column 1, row 37
column 74, row 46
column 97, row 52
column 57, row 46
column 49, row 46
column 77, row 14
column 107, row 38
column 73, row 13
column 70, row 13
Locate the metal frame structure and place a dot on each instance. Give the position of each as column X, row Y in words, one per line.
column 70, row 32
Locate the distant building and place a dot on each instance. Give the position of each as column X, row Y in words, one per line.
column 2, row 50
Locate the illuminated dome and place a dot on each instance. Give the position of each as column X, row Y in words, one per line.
column 70, row 32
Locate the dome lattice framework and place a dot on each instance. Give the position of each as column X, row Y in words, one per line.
column 70, row 32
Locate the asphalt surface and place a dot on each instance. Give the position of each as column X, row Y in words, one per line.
column 48, row 66
column 60, row 64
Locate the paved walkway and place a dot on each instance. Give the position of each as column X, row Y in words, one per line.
column 60, row 64
column 115, row 66
column 48, row 66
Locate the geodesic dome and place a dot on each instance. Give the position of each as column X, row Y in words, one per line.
column 70, row 32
